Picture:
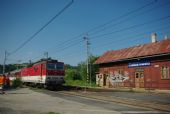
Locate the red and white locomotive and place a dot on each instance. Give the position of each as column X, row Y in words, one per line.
column 46, row 72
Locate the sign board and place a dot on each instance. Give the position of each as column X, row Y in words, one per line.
column 139, row 64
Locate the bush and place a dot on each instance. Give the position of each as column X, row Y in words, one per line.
column 16, row 83
column 52, row 113
column 72, row 74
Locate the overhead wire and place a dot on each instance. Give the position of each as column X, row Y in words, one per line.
column 132, row 27
column 127, row 28
column 42, row 28
column 131, row 12
column 126, row 38
column 77, row 38
column 102, row 25
column 136, row 37
column 122, row 16
column 132, row 17
column 138, row 25
column 68, row 43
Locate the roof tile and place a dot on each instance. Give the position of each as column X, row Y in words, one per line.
column 136, row 51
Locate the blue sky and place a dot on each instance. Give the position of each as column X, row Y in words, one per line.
column 63, row 38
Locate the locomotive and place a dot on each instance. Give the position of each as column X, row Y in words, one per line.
column 46, row 72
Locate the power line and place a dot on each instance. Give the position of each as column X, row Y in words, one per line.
column 135, row 31
column 132, row 17
column 68, row 43
column 4, row 62
column 116, row 42
column 133, row 26
column 127, row 28
column 102, row 25
column 43, row 27
column 71, row 44
column 121, row 16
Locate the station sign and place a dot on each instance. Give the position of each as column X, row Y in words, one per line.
column 139, row 64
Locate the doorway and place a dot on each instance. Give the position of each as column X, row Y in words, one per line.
column 139, row 78
column 104, row 79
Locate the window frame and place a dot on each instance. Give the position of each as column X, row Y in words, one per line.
column 165, row 73
column 56, row 66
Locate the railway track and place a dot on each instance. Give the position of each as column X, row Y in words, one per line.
column 78, row 91
column 131, row 102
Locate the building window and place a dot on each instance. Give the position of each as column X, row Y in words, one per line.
column 165, row 72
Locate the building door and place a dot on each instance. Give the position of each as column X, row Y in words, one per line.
column 104, row 79
column 139, row 78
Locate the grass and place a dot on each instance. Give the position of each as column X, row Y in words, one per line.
column 78, row 83
column 52, row 113
column 37, row 89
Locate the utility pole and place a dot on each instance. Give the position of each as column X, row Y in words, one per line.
column 90, row 70
column 30, row 62
column 18, row 64
column 87, row 54
column 4, row 62
column 46, row 55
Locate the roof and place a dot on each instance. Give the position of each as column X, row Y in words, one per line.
column 145, row 50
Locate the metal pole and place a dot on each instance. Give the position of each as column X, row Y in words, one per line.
column 46, row 54
column 87, row 53
column 4, row 62
column 18, row 64
column 90, row 70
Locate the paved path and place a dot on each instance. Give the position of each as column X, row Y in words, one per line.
column 26, row 101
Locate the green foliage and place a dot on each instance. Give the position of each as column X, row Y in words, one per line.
column 16, row 83
column 75, row 82
column 77, row 75
column 82, row 69
column 11, row 67
column 72, row 74
column 52, row 113
column 94, row 68
column 1, row 69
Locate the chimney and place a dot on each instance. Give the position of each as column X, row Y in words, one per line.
column 165, row 37
column 153, row 37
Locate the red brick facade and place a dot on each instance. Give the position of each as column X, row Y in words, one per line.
column 151, row 71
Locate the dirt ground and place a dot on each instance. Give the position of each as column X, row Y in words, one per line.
column 26, row 101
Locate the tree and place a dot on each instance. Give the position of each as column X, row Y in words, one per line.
column 72, row 74
column 79, row 73
column 94, row 67
column 1, row 69
column 8, row 68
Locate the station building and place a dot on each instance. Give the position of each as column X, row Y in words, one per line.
column 142, row 66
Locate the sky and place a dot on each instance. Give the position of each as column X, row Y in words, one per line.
column 108, row 24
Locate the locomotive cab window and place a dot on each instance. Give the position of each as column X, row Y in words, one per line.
column 51, row 66
column 58, row 66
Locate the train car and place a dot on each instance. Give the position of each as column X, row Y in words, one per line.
column 14, row 74
column 47, row 72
